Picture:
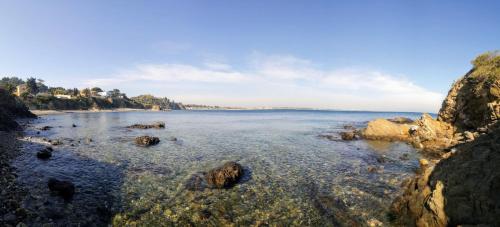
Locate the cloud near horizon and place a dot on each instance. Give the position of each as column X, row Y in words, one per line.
column 275, row 81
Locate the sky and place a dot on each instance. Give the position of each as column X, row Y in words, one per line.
column 351, row 55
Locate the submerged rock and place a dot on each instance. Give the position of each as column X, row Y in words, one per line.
column 156, row 125
column 65, row 189
column 224, row 176
column 45, row 153
column 351, row 135
column 56, row 142
column 147, row 140
column 45, row 128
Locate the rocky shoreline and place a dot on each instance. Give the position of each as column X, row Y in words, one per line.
column 11, row 193
column 460, row 185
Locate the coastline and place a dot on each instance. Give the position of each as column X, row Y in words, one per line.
column 57, row 112
column 11, row 193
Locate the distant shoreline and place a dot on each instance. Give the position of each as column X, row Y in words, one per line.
column 57, row 112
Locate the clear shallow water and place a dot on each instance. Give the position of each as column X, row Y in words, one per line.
column 292, row 176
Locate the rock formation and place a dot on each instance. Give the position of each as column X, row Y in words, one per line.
column 462, row 187
column 11, row 108
column 474, row 101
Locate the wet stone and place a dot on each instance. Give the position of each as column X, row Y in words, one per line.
column 45, row 153
column 147, row 140
column 65, row 189
column 224, row 176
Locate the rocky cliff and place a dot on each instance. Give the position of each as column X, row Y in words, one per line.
column 11, row 108
column 461, row 187
column 473, row 102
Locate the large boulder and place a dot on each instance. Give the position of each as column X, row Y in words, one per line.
column 224, row 176
column 382, row 129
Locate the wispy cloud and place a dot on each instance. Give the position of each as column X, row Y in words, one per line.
column 280, row 80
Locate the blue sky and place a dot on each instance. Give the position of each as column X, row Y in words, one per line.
column 371, row 55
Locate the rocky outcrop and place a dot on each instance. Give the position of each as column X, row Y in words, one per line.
column 425, row 133
column 147, row 141
column 460, row 188
column 474, row 101
column 10, row 109
column 224, row 176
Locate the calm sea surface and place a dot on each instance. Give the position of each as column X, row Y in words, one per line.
column 292, row 175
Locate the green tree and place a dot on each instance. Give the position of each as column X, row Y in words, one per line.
column 10, row 83
column 86, row 92
column 32, row 86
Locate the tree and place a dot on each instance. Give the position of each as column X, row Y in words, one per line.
column 41, row 86
column 57, row 91
column 10, row 83
column 95, row 91
column 113, row 93
column 86, row 92
column 75, row 92
column 32, row 86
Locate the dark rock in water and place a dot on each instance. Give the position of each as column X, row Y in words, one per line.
column 348, row 135
column 224, row 176
column 56, row 142
column 45, row 128
column 381, row 159
column 65, row 189
column 205, row 214
column 156, row 125
column 147, row 140
column 329, row 137
column 405, row 157
column 374, row 169
column 348, row 127
column 73, row 125
column 45, row 153
column 196, row 182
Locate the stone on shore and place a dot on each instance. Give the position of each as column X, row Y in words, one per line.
column 157, row 125
column 147, row 140
column 65, row 189
column 224, row 176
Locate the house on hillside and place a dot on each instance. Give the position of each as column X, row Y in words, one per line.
column 20, row 89
column 156, row 108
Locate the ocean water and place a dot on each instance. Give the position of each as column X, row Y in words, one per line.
column 292, row 175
